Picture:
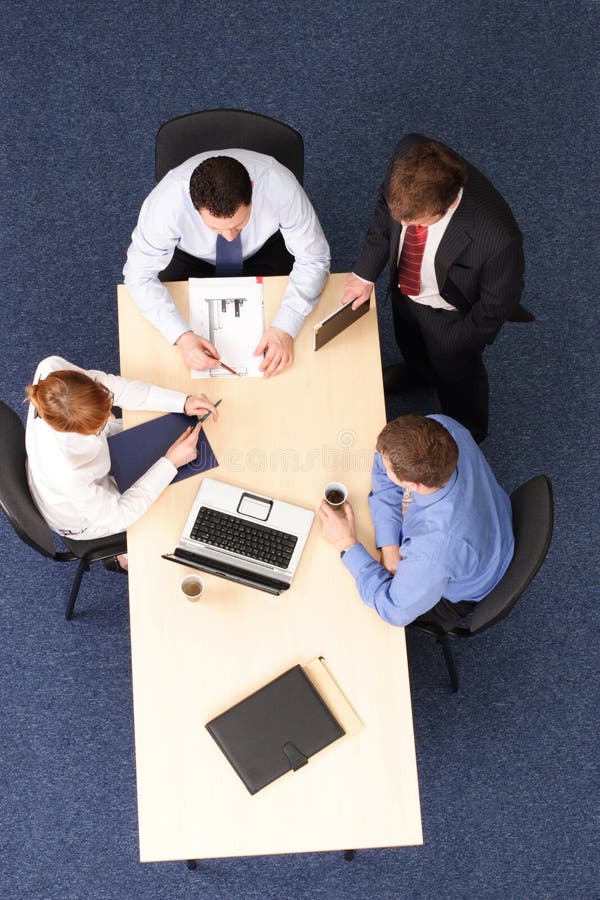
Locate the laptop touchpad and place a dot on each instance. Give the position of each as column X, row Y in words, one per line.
column 255, row 507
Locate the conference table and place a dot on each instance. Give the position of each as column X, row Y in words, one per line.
column 282, row 437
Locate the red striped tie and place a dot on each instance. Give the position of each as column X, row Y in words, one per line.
column 409, row 267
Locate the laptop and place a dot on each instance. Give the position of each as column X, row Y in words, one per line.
column 243, row 536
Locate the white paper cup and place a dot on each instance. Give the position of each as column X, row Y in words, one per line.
column 192, row 587
column 335, row 493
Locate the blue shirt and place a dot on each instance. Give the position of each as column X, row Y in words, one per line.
column 456, row 542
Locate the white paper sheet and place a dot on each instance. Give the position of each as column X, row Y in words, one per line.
column 229, row 312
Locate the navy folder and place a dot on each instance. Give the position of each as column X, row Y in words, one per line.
column 134, row 451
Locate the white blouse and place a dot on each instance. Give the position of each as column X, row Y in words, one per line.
column 69, row 474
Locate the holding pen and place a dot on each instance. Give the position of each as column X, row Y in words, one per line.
column 209, row 413
column 199, row 404
column 222, row 364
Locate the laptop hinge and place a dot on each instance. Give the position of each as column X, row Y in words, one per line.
column 225, row 570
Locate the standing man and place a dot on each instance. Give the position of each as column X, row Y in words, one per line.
column 455, row 255
column 240, row 213
column 442, row 522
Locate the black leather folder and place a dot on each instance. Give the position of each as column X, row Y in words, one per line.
column 276, row 729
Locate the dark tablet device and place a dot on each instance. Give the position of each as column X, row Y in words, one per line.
column 337, row 322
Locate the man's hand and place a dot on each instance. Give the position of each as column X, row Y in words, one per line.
column 185, row 448
column 337, row 525
column 278, row 348
column 356, row 290
column 197, row 352
column 198, row 405
column 390, row 557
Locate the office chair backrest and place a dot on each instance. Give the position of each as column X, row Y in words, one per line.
column 219, row 129
column 15, row 498
column 533, row 518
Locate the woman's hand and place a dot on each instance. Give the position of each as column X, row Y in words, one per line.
column 198, row 404
column 185, row 448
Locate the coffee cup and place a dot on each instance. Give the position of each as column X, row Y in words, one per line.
column 335, row 493
column 192, row 587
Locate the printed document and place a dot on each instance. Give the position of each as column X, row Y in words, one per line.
column 229, row 312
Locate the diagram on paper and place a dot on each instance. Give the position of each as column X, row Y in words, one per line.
column 229, row 312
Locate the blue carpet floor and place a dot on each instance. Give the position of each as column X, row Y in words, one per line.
column 508, row 769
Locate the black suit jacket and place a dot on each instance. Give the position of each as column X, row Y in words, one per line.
column 479, row 263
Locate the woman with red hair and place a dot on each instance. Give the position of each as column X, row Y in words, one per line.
column 68, row 461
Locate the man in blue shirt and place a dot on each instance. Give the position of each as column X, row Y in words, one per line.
column 442, row 521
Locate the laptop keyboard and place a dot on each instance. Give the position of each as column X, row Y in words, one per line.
column 218, row 529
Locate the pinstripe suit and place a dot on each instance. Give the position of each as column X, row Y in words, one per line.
column 479, row 269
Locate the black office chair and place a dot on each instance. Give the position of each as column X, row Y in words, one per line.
column 220, row 129
column 23, row 515
column 533, row 519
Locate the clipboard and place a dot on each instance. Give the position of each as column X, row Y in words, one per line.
column 338, row 321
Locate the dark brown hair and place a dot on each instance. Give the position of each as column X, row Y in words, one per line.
column 221, row 185
column 419, row 449
column 71, row 401
column 425, row 182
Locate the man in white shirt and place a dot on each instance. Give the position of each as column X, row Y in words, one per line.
column 245, row 200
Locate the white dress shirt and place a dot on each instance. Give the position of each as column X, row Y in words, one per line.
column 429, row 295
column 168, row 220
column 69, row 474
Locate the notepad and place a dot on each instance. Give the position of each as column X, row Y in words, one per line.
column 337, row 322
column 276, row 729
column 135, row 450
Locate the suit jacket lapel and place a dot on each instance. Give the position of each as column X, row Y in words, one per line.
column 457, row 236
column 395, row 232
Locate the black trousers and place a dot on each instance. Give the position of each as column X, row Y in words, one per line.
column 273, row 258
column 425, row 338
column 445, row 614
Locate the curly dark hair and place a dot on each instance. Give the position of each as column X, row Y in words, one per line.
column 419, row 449
column 425, row 182
column 221, row 185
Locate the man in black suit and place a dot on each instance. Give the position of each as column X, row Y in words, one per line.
column 455, row 255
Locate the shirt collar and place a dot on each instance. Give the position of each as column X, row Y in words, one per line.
column 442, row 224
column 429, row 499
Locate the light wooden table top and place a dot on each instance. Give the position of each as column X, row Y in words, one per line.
column 284, row 437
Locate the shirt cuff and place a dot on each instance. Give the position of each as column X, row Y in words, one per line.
column 355, row 558
column 387, row 535
column 360, row 278
column 165, row 466
column 289, row 321
column 172, row 329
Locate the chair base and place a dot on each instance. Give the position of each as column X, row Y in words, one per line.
column 96, row 551
column 450, row 664
column 442, row 638
column 81, row 569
